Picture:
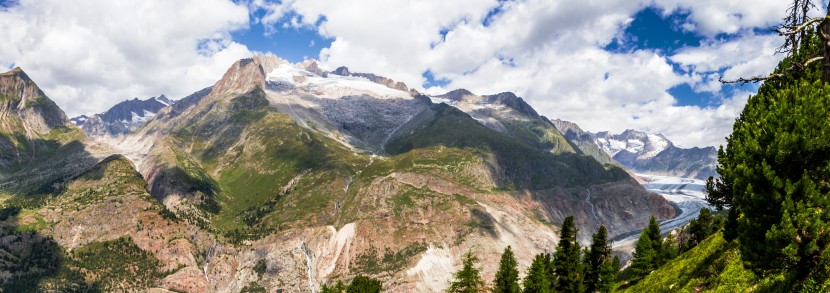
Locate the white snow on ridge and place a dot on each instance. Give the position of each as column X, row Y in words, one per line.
column 333, row 86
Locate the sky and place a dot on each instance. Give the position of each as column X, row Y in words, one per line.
column 608, row 65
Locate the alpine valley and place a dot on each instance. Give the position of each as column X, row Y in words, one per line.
column 288, row 176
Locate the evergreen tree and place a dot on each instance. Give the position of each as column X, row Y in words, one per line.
column 653, row 233
column 507, row 277
column 609, row 274
column 599, row 268
column 468, row 279
column 774, row 174
column 644, row 256
column 567, row 260
column 537, row 279
column 669, row 249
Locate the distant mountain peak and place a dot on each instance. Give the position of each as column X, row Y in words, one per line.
column 24, row 99
column 651, row 153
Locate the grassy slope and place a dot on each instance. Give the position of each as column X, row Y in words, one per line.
column 713, row 266
column 525, row 166
column 41, row 264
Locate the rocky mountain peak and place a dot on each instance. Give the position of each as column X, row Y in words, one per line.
column 342, row 71
column 22, row 98
column 456, row 95
column 512, row 101
column 247, row 73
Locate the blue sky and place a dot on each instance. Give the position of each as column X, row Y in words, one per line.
column 650, row 65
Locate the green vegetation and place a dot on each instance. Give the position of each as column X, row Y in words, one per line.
column 370, row 262
column 360, row 284
column 651, row 251
column 538, row 278
column 567, row 262
column 117, row 265
column 774, row 176
column 525, row 166
column 601, row 270
column 507, row 277
column 467, row 279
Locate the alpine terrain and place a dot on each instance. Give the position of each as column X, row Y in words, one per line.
column 653, row 154
column 286, row 176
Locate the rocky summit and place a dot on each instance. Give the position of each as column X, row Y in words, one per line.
column 286, row 176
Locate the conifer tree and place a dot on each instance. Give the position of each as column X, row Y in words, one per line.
column 774, row 174
column 537, row 279
column 609, row 273
column 644, row 256
column 599, row 264
column 669, row 249
column 468, row 279
column 653, row 233
column 507, row 277
column 567, row 262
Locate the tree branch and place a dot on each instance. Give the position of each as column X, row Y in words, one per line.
column 794, row 67
column 791, row 30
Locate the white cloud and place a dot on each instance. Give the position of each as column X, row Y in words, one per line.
column 718, row 16
column 550, row 53
column 88, row 55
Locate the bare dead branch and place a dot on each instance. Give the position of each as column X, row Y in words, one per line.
column 794, row 68
column 792, row 30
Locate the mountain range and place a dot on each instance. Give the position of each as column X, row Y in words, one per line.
column 286, row 176
column 122, row 118
column 653, row 154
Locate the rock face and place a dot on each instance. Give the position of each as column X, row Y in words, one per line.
column 655, row 155
column 122, row 118
column 286, row 176
column 22, row 100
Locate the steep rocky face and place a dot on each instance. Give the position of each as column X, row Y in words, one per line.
column 343, row 71
column 122, row 118
column 654, row 154
column 21, row 100
column 583, row 140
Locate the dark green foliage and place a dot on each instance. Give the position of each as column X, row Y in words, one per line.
column 670, row 248
column 370, row 262
column 260, row 267
column 117, row 265
column 524, row 165
column 253, row 287
column 652, row 231
column 601, row 269
column 774, row 175
column 644, row 257
column 699, row 229
column 363, row 284
column 360, row 284
column 538, row 276
column 337, row 288
column 507, row 277
column 567, row 262
column 468, row 279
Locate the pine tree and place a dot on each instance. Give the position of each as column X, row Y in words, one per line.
column 599, row 264
column 653, row 233
column 609, row 274
column 507, row 277
column 669, row 249
column 537, row 279
column 567, row 260
column 468, row 279
column 644, row 256
column 774, row 174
